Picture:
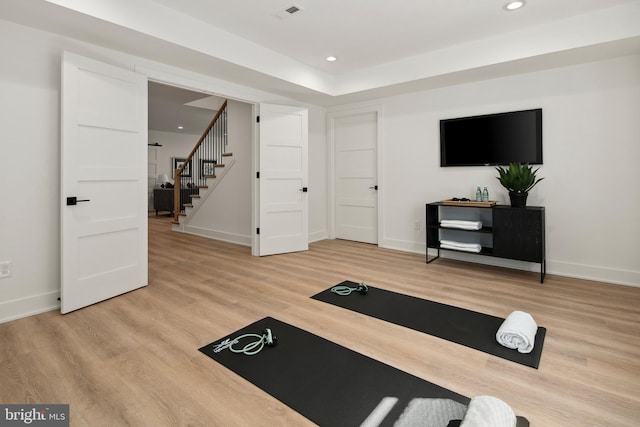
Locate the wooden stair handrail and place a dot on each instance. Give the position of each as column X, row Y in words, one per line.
column 178, row 172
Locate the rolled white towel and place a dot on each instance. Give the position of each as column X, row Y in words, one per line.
column 518, row 331
column 488, row 411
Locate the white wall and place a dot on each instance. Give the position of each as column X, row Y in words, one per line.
column 591, row 132
column 30, row 174
column 318, row 191
column 29, row 149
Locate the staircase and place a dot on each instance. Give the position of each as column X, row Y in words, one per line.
column 205, row 166
column 211, row 181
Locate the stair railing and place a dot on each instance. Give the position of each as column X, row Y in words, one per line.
column 192, row 175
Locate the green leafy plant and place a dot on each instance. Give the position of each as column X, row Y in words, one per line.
column 518, row 178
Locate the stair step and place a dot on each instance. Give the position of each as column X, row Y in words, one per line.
column 204, row 187
column 188, row 205
column 227, row 154
column 210, row 176
column 182, row 214
column 195, row 196
column 173, row 221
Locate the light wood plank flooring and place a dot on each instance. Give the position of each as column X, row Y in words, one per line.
column 133, row 360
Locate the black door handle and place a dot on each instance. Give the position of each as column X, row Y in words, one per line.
column 72, row 201
column 304, row 189
column 375, row 187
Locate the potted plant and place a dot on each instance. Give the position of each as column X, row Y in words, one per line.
column 519, row 179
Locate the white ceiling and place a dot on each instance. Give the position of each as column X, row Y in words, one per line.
column 170, row 107
column 383, row 47
column 366, row 33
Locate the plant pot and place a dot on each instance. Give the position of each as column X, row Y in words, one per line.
column 518, row 200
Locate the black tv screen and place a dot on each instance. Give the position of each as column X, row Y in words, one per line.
column 492, row 139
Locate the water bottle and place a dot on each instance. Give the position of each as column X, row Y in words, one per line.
column 478, row 195
column 485, row 195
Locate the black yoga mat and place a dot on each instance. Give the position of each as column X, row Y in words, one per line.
column 325, row 382
column 466, row 327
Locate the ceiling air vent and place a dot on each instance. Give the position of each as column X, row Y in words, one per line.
column 292, row 10
column 283, row 14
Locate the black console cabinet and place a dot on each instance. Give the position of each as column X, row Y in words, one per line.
column 513, row 233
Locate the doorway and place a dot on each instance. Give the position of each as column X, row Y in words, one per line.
column 267, row 203
column 177, row 119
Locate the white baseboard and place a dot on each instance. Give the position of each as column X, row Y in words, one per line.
column 317, row 236
column 217, row 235
column 29, row 306
column 488, row 260
column 591, row 272
column 578, row 271
column 403, row 245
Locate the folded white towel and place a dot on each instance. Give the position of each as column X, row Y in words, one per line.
column 476, row 250
column 518, row 331
column 488, row 411
column 464, row 225
column 459, row 246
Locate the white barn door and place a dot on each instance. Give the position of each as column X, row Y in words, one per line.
column 284, row 212
column 104, row 167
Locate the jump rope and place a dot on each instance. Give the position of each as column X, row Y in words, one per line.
column 344, row 290
column 254, row 347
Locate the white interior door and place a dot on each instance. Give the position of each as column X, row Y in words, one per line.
column 355, row 141
column 284, row 212
column 103, row 161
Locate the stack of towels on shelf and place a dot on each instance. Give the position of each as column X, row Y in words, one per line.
column 463, row 225
column 518, row 331
column 467, row 247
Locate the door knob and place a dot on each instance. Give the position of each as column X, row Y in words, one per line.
column 375, row 187
column 304, row 189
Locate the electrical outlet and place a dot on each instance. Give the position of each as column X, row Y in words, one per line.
column 417, row 225
column 5, row 269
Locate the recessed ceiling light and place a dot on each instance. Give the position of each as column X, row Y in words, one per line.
column 180, row 127
column 513, row 5
column 331, row 58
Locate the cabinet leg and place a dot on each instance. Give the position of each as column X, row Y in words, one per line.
column 543, row 270
column 434, row 258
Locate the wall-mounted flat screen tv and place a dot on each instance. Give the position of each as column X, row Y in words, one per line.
column 492, row 139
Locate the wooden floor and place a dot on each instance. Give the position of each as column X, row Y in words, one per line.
column 133, row 360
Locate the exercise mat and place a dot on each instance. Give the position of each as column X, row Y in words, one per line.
column 325, row 382
column 459, row 325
